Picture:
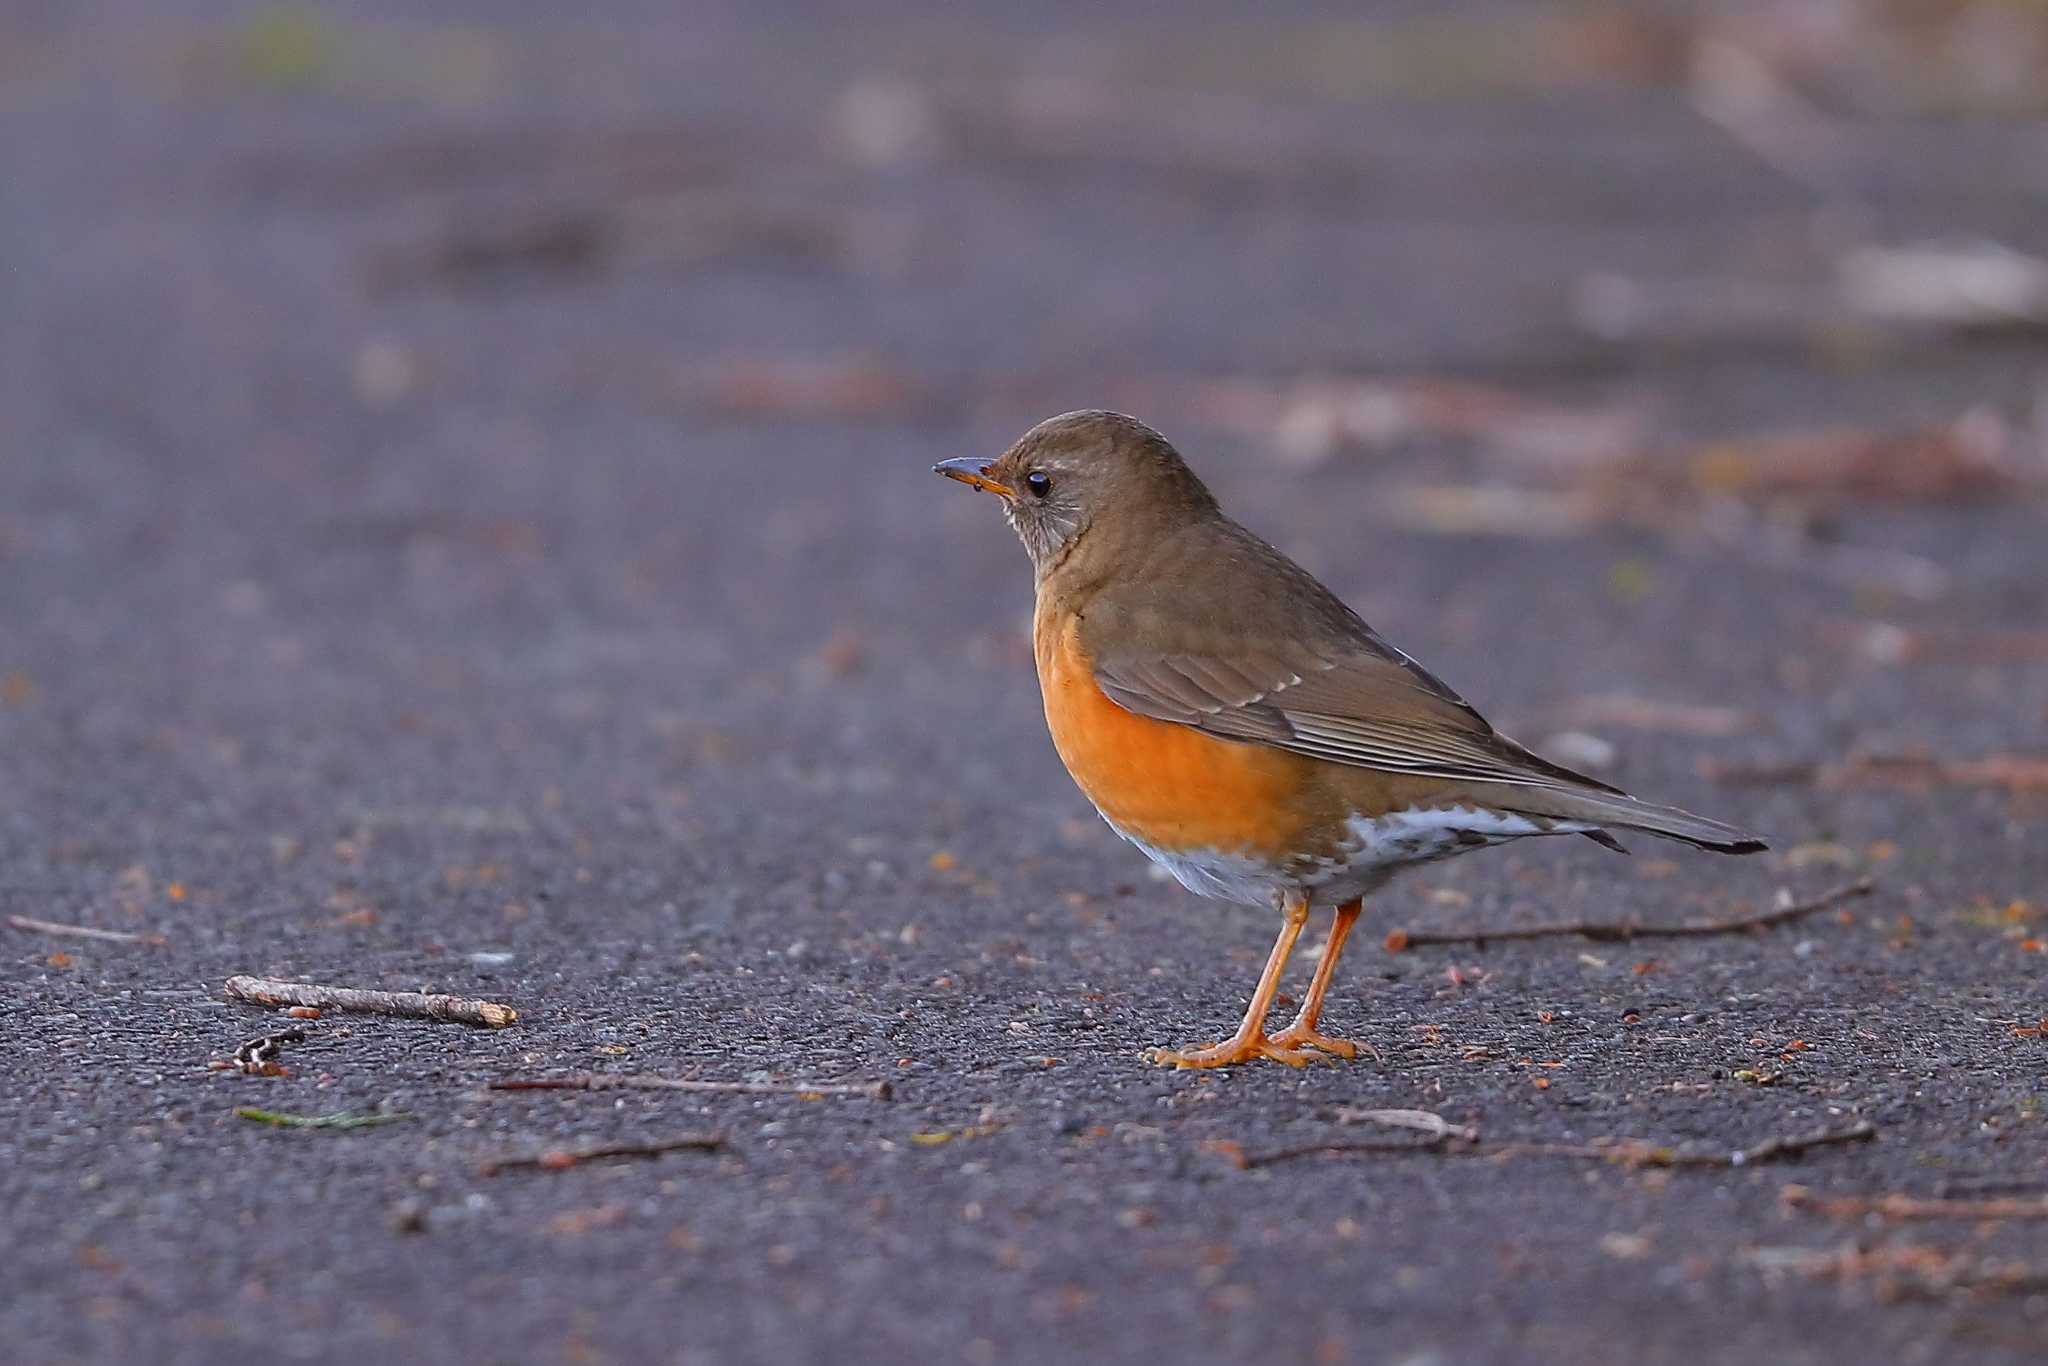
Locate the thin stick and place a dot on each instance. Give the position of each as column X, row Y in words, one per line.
column 284, row 1121
column 1628, row 1152
column 1897, row 1206
column 637, row 1081
column 556, row 1159
column 1635, row 1153
column 34, row 926
column 1402, row 939
column 265, row 991
column 1423, row 1121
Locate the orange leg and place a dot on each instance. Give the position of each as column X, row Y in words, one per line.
column 1302, row 1033
column 1250, row 1041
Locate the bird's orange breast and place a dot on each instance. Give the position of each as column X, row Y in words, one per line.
column 1168, row 785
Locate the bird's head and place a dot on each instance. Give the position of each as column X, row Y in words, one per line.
column 1077, row 472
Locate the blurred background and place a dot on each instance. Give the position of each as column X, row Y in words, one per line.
column 464, row 491
column 384, row 361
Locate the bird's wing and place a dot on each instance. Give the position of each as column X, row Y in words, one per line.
column 1359, row 701
column 1290, row 666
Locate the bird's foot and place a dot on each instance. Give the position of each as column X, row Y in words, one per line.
column 1243, row 1048
column 1299, row 1035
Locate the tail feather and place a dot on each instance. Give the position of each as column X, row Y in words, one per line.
column 1622, row 812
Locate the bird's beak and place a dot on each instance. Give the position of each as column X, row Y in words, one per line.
column 973, row 473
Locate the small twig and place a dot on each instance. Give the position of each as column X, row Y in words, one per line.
column 635, row 1081
column 1245, row 1161
column 1636, row 1154
column 1628, row 1152
column 1402, row 939
column 1423, row 1121
column 35, row 926
column 1899, row 1206
column 556, row 1159
column 284, row 1121
column 265, row 991
column 1437, row 1130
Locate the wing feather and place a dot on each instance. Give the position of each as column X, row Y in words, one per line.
column 1370, row 707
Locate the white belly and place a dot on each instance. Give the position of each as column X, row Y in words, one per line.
column 1375, row 848
column 1220, row 874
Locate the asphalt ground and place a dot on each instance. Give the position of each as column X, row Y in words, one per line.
column 465, row 525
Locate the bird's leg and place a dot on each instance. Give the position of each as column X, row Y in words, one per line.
column 1302, row 1033
column 1250, row 1040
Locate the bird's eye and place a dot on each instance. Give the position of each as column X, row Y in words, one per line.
column 1038, row 483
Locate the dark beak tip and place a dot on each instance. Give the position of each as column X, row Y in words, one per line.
column 971, row 472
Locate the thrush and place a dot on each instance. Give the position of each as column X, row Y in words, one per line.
column 1232, row 718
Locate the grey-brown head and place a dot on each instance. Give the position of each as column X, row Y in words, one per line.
column 1086, row 472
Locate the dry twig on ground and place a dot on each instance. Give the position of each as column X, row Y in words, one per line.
column 1398, row 940
column 340, row 1121
column 35, row 926
column 1627, row 1152
column 633, row 1081
column 556, row 1159
column 265, row 991
column 1422, row 1121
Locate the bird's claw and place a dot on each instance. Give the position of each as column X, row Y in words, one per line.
column 1296, row 1036
column 1243, row 1048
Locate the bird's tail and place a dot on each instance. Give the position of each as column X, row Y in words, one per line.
column 1623, row 812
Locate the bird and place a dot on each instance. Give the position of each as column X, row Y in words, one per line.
column 1232, row 718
